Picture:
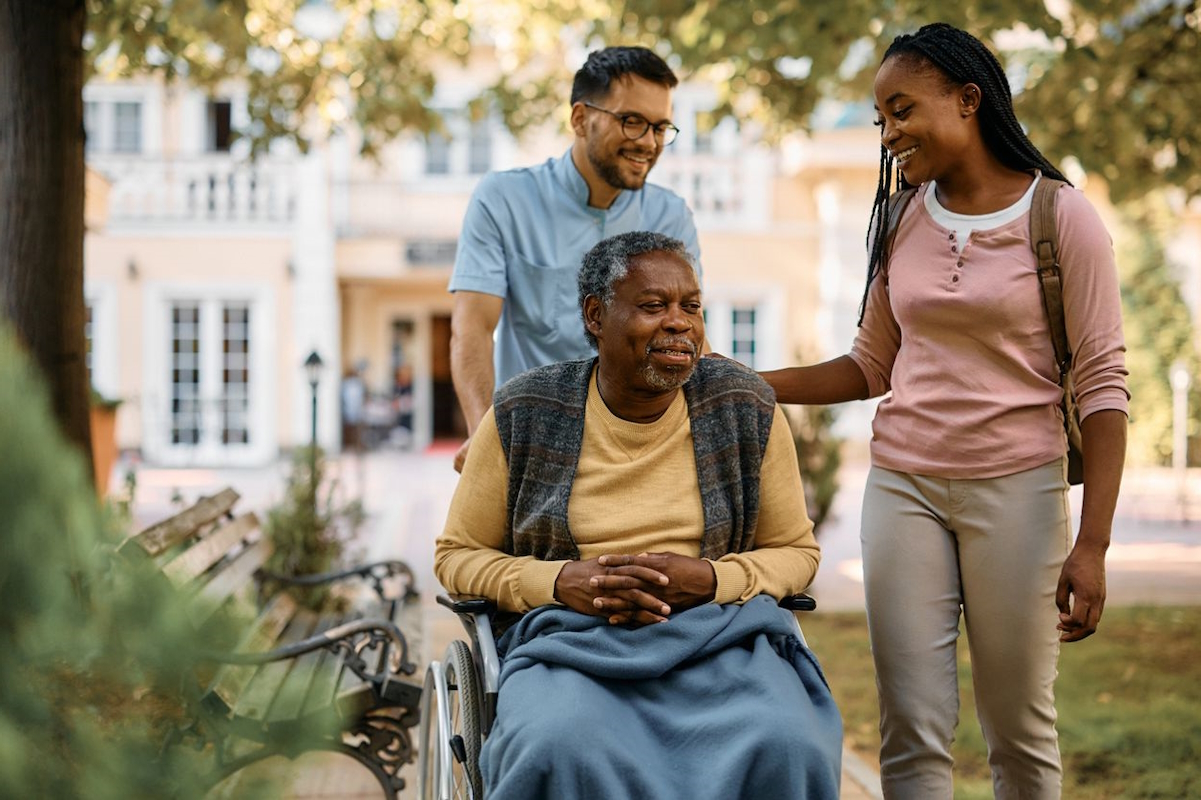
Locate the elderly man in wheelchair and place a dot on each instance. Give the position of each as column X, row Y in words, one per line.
column 634, row 520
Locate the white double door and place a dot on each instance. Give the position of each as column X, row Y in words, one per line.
column 208, row 364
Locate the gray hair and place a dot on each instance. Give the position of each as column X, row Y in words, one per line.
column 609, row 262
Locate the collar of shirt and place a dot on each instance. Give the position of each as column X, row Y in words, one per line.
column 573, row 182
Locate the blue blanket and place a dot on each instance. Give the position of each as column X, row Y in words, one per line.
column 718, row 702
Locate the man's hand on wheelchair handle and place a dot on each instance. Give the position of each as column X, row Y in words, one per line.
column 461, row 455
column 579, row 588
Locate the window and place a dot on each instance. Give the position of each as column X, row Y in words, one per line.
column 746, row 322
column 235, row 375
column 113, row 126
column 207, row 401
column 214, row 367
column 127, row 127
column 463, row 147
column 91, row 126
column 479, row 148
column 185, row 373
column 437, row 154
column 220, row 131
column 742, row 335
column 88, row 336
column 100, row 332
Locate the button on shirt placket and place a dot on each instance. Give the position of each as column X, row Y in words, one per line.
column 958, row 253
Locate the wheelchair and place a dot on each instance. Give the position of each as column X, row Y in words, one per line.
column 458, row 701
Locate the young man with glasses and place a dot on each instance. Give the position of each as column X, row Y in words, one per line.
column 526, row 230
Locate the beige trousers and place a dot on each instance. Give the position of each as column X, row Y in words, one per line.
column 994, row 549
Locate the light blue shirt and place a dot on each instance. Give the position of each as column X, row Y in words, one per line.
column 524, row 236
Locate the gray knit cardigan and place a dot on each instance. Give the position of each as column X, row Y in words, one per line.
column 540, row 417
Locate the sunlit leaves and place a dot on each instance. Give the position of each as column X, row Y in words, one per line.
column 1112, row 83
column 307, row 68
column 1129, row 77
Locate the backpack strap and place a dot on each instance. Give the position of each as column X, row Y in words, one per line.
column 1044, row 238
column 897, row 203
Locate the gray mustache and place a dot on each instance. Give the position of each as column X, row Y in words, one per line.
column 679, row 343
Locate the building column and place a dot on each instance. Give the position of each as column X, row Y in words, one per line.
column 315, row 311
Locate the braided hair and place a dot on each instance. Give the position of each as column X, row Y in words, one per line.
column 962, row 59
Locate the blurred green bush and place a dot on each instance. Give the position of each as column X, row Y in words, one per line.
column 98, row 662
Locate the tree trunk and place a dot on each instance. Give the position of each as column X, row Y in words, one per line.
column 41, row 197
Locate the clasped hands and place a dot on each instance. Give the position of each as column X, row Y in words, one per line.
column 640, row 589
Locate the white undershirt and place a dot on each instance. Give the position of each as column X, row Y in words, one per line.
column 964, row 224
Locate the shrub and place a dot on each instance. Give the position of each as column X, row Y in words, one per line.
column 97, row 652
column 308, row 530
column 820, row 455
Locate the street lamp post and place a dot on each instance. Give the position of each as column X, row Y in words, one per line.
column 312, row 368
column 1181, row 381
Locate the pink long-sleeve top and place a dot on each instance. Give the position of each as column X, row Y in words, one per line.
column 959, row 335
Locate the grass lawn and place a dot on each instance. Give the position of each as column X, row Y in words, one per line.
column 1129, row 701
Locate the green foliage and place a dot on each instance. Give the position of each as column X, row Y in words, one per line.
column 820, row 456
column 1129, row 725
column 95, row 649
column 1159, row 331
column 308, row 67
column 1122, row 95
column 309, row 531
column 101, row 664
column 1124, row 69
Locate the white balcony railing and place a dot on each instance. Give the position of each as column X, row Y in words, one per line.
column 209, row 190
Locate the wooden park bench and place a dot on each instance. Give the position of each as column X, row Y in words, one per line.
column 294, row 670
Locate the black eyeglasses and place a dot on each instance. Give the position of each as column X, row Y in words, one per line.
column 635, row 126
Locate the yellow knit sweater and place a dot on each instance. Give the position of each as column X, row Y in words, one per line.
column 635, row 491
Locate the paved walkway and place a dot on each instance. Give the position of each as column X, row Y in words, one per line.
column 1155, row 557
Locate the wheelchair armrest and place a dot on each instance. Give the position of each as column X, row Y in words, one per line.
column 476, row 615
column 467, row 604
column 798, row 602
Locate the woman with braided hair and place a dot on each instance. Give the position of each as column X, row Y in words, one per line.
column 965, row 509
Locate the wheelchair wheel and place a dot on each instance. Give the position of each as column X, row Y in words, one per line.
column 449, row 734
column 464, row 710
column 431, row 752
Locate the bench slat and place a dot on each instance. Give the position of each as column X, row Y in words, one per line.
column 256, row 699
column 164, row 535
column 214, row 559
column 193, row 562
column 289, row 701
column 230, row 579
column 231, row 679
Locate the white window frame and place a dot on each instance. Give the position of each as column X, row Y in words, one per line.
column 439, row 154
column 481, row 140
column 460, row 141
column 106, row 358
column 102, row 138
column 156, row 406
column 768, row 302
column 137, row 130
